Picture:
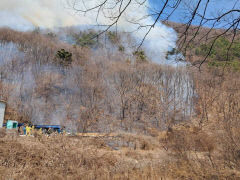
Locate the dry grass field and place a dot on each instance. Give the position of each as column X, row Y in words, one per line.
column 77, row 157
column 122, row 156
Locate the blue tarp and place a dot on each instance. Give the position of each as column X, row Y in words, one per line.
column 57, row 128
column 54, row 127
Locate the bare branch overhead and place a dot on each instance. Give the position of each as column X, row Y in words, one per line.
column 196, row 15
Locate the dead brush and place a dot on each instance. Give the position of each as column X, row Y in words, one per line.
column 187, row 140
column 58, row 157
column 11, row 134
column 134, row 142
column 2, row 132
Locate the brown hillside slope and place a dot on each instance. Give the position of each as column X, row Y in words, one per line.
column 197, row 37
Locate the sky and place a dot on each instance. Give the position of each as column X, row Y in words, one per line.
column 215, row 6
column 56, row 13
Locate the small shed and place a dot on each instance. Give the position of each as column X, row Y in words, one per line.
column 12, row 124
column 2, row 112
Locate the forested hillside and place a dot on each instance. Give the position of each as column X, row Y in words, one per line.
column 215, row 44
column 91, row 90
column 160, row 121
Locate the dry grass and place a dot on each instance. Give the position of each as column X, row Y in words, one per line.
column 2, row 133
column 122, row 156
column 65, row 157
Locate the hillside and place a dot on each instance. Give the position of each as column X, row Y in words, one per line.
column 150, row 121
column 198, row 43
column 55, row 82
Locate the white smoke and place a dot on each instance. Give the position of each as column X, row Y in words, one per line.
column 27, row 14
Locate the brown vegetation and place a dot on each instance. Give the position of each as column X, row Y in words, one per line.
column 100, row 95
column 168, row 122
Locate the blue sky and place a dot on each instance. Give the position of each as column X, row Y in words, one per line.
column 214, row 7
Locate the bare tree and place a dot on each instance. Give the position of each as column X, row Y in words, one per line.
column 196, row 15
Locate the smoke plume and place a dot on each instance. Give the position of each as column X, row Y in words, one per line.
column 27, row 14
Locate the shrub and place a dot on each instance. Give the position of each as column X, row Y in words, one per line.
column 140, row 56
column 65, row 57
column 86, row 39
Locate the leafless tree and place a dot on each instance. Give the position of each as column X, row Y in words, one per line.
column 195, row 16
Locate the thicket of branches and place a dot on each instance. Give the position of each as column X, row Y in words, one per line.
column 47, row 81
column 196, row 15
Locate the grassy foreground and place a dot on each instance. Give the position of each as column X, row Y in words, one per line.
column 122, row 156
